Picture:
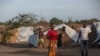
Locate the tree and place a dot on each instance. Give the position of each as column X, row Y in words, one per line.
column 22, row 20
column 65, row 22
column 70, row 21
column 56, row 21
column 6, row 36
column 77, row 22
column 94, row 20
column 1, row 23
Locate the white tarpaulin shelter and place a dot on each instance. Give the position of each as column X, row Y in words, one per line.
column 97, row 24
column 24, row 33
column 69, row 31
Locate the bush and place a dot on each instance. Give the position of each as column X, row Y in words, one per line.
column 6, row 37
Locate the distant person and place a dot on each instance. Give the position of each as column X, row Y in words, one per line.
column 41, row 39
column 59, row 42
column 33, row 39
column 60, row 35
column 83, row 35
column 52, row 36
column 98, row 34
column 93, row 35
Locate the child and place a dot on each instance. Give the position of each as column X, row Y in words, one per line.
column 41, row 40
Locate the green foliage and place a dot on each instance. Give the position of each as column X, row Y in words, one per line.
column 1, row 23
column 80, row 21
column 70, row 21
column 65, row 22
column 94, row 20
column 22, row 20
column 56, row 21
column 77, row 22
column 6, row 36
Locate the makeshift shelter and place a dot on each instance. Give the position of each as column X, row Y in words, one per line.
column 97, row 41
column 70, row 35
column 2, row 28
column 93, row 34
column 24, row 33
column 43, row 24
column 12, row 39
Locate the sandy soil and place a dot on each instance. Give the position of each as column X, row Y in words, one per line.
column 24, row 50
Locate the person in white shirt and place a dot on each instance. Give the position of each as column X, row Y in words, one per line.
column 83, row 35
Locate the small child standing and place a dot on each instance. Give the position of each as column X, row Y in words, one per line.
column 41, row 40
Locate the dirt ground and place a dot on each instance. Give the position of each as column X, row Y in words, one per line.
column 24, row 50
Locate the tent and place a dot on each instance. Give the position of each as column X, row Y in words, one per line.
column 97, row 41
column 71, row 35
column 69, row 31
column 24, row 33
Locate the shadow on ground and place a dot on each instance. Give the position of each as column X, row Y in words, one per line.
column 29, row 52
column 23, row 45
column 26, row 52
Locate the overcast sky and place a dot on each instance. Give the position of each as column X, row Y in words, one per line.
column 63, row 9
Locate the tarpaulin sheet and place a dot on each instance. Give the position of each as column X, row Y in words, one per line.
column 69, row 31
column 24, row 33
